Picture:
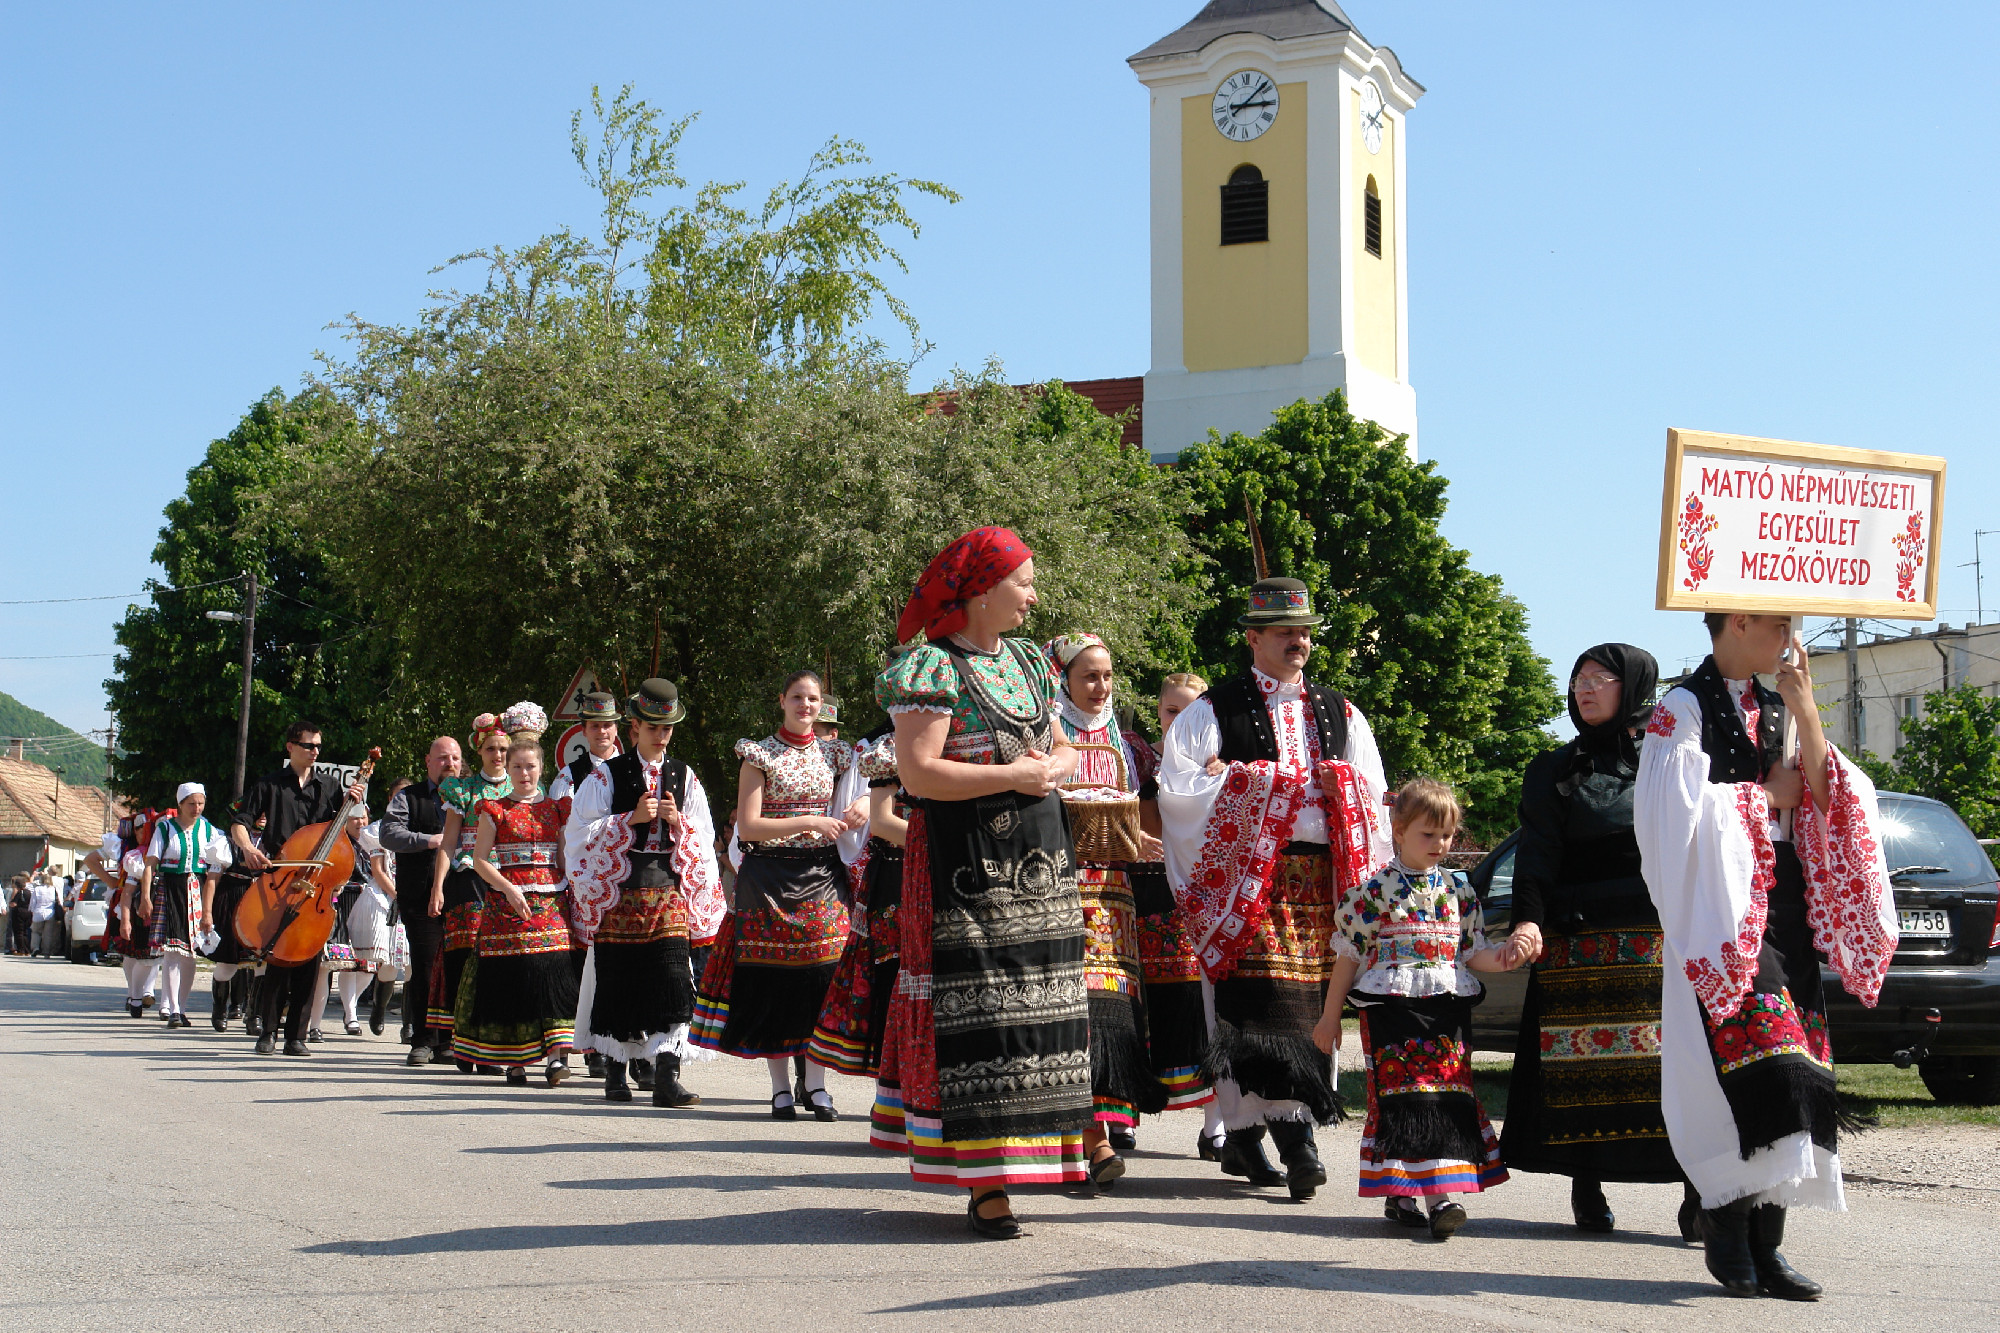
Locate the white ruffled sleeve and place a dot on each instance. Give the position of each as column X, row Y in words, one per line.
column 1187, row 789
column 1366, row 759
column 595, row 847
column 694, row 864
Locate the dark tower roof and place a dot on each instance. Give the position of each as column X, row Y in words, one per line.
column 1276, row 19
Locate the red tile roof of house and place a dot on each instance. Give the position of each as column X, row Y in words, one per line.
column 34, row 803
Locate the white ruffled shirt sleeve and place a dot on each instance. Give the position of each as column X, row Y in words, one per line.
column 1187, row 789
column 694, row 863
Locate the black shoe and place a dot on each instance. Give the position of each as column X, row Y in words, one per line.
column 314, row 1036
column 297, row 1048
column 667, row 1089
column 1775, row 1277
column 253, row 1026
column 820, row 1102
column 1725, row 1239
column 616, row 1089
column 183, row 1021
column 1243, row 1155
column 1124, row 1138
column 1689, row 1217
column 378, row 1013
column 1304, row 1173
column 1445, row 1219
column 1004, row 1227
column 135, row 1009
column 1404, row 1212
column 408, row 1036
column 642, row 1074
column 351, row 1029
column 419, row 1055
column 557, row 1071
column 266, row 1045
column 593, row 1064
column 1206, row 1148
column 1107, row 1171
column 464, row 1066
column 517, row 1077
column 788, row 1110
column 218, row 1005
column 1588, row 1206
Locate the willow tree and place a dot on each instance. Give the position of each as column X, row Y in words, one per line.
column 672, row 441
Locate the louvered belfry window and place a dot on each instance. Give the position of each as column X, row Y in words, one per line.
column 1246, row 207
column 1371, row 220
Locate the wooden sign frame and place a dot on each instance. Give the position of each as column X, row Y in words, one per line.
column 1671, row 596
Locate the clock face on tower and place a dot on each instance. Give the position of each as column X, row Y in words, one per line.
column 1245, row 105
column 1371, row 115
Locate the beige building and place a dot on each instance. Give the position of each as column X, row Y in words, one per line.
column 1895, row 672
column 39, row 810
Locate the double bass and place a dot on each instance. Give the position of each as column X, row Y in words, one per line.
column 288, row 913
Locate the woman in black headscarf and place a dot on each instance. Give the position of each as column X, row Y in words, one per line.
column 1585, row 1096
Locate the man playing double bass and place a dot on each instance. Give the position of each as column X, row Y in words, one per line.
column 287, row 801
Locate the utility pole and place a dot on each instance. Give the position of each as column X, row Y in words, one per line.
column 248, row 618
column 1854, row 736
column 1979, row 570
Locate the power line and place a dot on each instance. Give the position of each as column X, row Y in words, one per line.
column 114, row 596
column 56, row 657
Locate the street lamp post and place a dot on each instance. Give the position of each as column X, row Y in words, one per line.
column 248, row 618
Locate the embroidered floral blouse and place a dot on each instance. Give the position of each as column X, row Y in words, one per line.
column 924, row 680
column 798, row 780
column 1411, row 932
column 877, row 761
column 526, row 837
column 464, row 794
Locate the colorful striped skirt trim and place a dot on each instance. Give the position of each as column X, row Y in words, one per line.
column 1048, row 1159
column 1186, row 1087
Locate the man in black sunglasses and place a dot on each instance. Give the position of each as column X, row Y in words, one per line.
column 287, row 801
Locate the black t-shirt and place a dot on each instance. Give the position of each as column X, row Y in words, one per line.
column 287, row 805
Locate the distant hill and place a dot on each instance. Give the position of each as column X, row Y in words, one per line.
column 80, row 758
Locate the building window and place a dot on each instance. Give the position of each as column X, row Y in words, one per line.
column 1371, row 220
column 1246, row 207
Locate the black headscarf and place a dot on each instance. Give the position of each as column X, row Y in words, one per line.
column 1610, row 746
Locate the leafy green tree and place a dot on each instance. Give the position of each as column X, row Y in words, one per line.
column 1434, row 653
column 671, row 441
column 179, row 676
column 1951, row 753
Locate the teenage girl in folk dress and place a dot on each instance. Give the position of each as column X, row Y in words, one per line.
column 455, row 890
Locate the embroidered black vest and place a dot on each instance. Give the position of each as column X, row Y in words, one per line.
column 580, row 768
column 1245, row 722
column 1732, row 757
column 414, row 870
column 628, row 784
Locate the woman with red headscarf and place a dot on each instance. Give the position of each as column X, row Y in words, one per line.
column 985, row 1077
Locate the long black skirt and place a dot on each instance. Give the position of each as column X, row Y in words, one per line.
column 769, row 971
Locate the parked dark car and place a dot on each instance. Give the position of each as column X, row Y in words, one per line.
column 1948, row 961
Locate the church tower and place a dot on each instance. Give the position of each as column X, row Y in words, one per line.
column 1278, row 220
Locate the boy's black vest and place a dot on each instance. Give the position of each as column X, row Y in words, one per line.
column 628, row 784
column 1732, row 757
column 1245, row 722
column 415, row 870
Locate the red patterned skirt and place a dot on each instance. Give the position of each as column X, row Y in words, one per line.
column 1426, row 1132
column 1176, row 1025
column 1121, row 1075
column 848, row 1036
column 767, row 976
column 516, row 1001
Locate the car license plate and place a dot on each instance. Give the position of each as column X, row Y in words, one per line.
column 1930, row 921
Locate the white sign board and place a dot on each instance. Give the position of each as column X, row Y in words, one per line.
column 1806, row 529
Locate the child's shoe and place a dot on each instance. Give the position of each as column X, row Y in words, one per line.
column 1403, row 1211
column 1446, row 1218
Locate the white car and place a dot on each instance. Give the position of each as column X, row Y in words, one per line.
column 89, row 926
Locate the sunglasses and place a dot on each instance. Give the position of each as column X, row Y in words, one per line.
column 305, row 745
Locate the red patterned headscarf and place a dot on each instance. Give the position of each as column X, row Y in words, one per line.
column 973, row 564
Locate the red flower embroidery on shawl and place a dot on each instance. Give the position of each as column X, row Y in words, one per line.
column 1229, row 888
column 1721, row 989
column 1848, row 898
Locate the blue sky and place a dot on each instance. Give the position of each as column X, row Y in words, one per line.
column 1772, row 219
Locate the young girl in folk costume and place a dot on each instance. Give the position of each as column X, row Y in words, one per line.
column 1121, row 1075
column 1407, row 942
column 120, row 862
column 1176, row 1025
column 517, row 999
column 455, row 887
column 176, row 893
column 769, row 970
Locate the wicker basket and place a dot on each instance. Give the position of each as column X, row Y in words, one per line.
column 1104, row 830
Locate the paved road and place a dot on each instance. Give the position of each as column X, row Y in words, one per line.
column 164, row 1180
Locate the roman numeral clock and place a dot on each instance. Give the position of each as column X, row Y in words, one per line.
column 1277, row 221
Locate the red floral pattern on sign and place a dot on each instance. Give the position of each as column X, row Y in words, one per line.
column 1721, row 988
column 1909, row 544
column 1695, row 525
column 1849, row 903
column 1228, row 889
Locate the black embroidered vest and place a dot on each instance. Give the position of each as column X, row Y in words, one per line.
column 1245, row 722
column 580, row 768
column 628, row 784
column 1732, row 757
column 414, row 870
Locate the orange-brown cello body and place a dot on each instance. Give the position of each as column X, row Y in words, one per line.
column 288, row 913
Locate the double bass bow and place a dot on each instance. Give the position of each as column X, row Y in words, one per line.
column 288, row 913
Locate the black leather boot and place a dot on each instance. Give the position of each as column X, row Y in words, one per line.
column 239, row 994
column 1303, row 1171
column 1690, row 1214
column 1725, row 1238
column 1589, row 1207
column 1775, row 1277
column 218, row 1005
column 642, row 1074
column 616, row 1089
column 1243, row 1155
column 378, row 1011
column 667, row 1089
